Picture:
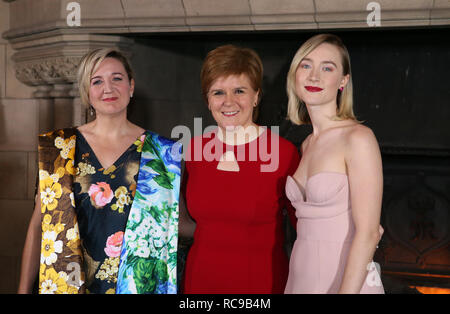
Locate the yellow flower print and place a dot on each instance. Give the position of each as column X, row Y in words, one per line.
column 109, row 269
column 59, row 142
column 47, row 219
column 67, row 147
column 50, row 192
column 120, row 190
column 59, row 227
column 73, row 233
column 139, row 143
column 60, row 172
column 123, row 198
column 47, row 226
column 109, row 170
column 63, row 275
column 71, row 290
column 44, row 175
column 50, row 247
column 52, row 283
column 71, row 145
column 85, row 169
column 41, row 270
column 70, row 167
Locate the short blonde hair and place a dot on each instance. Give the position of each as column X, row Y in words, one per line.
column 297, row 111
column 90, row 63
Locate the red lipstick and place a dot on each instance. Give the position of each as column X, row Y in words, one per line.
column 110, row 99
column 313, row 89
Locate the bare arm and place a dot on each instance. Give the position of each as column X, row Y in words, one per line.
column 364, row 166
column 31, row 251
column 186, row 225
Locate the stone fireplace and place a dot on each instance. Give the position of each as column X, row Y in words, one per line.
column 400, row 73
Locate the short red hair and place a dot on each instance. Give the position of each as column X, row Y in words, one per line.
column 231, row 60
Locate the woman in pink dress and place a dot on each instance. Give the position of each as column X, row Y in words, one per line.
column 337, row 188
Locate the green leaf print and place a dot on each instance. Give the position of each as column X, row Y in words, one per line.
column 172, row 260
column 164, row 181
column 165, row 178
column 138, row 196
column 171, row 176
column 156, row 213
column 161, row 271
column 149, row 146
column 143, row 273
column 157, row 165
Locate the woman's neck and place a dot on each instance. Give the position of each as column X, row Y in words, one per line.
column 239, row 135
column 322, row 117
column 107, row 126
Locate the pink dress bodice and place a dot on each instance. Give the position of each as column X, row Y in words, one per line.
column 325, row 231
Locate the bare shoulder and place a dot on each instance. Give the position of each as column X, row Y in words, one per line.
column 359, row 134
column 361, row 141
column 137, row 129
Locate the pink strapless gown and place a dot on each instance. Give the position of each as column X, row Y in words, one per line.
column 325, row 231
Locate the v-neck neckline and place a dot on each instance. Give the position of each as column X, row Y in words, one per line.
column 118, row 158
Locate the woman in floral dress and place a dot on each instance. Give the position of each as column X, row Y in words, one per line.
column 106, row 213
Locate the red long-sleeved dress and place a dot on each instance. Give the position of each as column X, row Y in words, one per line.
column 238, row 241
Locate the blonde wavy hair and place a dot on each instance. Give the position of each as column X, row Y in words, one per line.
column 297, row 111
column 89, row 65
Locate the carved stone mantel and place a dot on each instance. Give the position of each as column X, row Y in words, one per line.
column 53, row 59
column 49, row 46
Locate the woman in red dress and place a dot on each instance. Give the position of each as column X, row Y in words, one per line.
column 234, row 185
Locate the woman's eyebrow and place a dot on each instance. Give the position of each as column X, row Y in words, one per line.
column 114, row 73
column 331, row 63
column 219, row 89
column 327, row 61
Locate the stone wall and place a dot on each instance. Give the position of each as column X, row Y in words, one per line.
column 18, row 160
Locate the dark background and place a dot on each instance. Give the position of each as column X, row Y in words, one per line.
column 400, row 80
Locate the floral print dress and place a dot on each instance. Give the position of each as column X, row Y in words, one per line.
column 103, row 199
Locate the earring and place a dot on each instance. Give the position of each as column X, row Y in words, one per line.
column 341, row 88
column 91, row 110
